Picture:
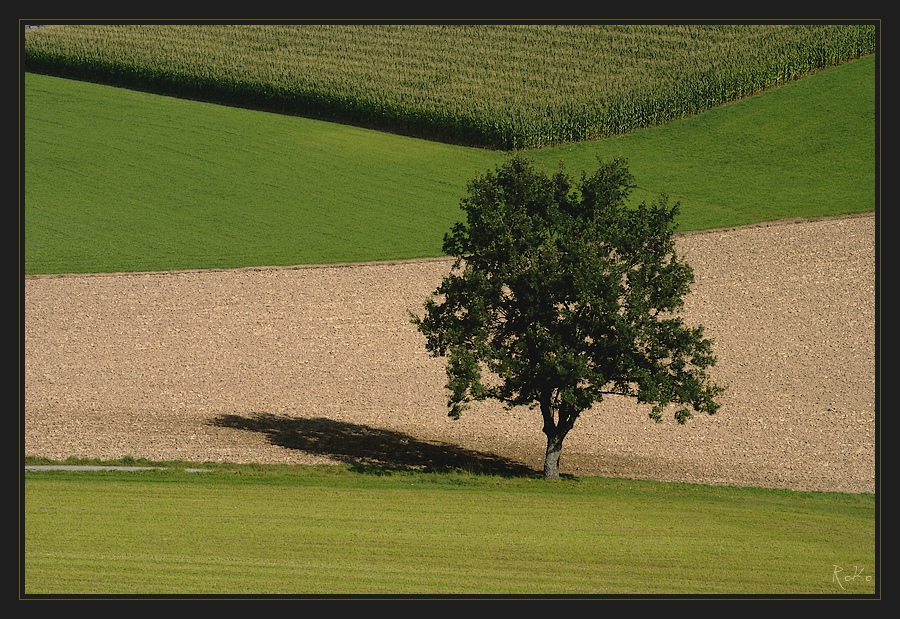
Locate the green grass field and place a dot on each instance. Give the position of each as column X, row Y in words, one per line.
column 118, row 180
column 279, row 530
column 806, row 149
column 133, row 182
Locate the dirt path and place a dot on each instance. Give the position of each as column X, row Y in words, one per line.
column 320, row 364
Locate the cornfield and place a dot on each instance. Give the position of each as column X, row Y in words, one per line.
column 495, row 86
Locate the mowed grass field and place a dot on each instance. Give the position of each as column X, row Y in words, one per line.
column 121, row 180
column 310, row 531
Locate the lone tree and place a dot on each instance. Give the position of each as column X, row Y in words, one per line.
column 561, row 294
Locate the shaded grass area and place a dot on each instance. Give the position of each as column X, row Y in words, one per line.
column 368, row 448
column 118, row 180
column 245, row 529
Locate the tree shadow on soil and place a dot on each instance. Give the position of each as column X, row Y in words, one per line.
column 369, row 449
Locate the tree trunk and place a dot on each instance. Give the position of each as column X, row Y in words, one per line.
column 555, row 427
column 551, row 459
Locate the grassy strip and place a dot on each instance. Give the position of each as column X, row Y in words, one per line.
column 118, row 180
column 331, row 531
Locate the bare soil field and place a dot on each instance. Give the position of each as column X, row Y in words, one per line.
column 314, row 365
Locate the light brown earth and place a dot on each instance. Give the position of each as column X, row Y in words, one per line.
column 321, row 365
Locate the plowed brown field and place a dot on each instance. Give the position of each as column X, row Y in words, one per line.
column 321, row 365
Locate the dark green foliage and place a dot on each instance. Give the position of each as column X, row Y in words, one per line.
column 563, row 293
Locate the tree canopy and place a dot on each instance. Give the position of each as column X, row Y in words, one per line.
column 562, row 293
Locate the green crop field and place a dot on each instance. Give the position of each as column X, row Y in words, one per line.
column 502, row 86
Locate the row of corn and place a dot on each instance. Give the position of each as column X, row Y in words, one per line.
column 497, row 86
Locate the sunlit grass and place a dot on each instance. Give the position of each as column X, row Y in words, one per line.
column 806, row 149
column 121, row 181
column 118, row 180
column 330, row 531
